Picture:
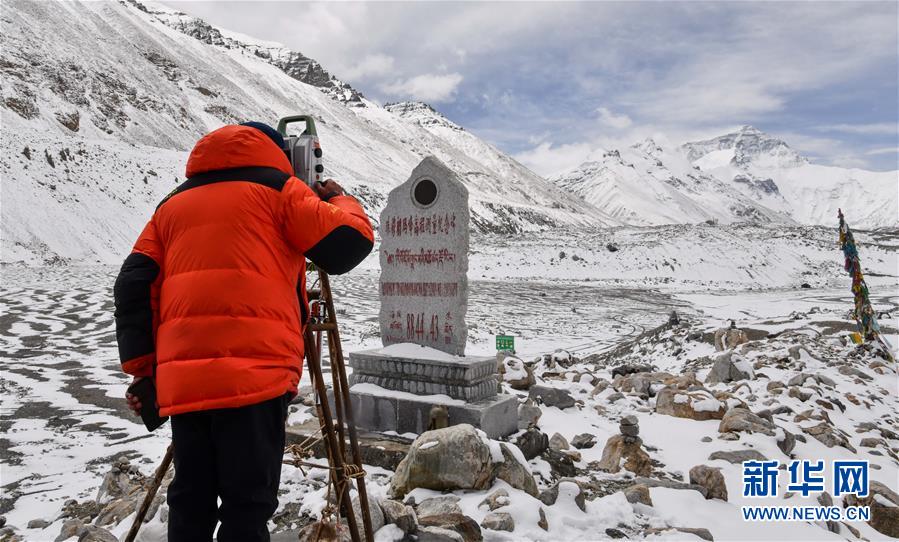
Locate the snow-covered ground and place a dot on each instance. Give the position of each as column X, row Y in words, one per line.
column 64, row 421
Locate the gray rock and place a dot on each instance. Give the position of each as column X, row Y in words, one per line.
column 694, row 405
column 437, row 534
column 514, row 473
column 560, row 464
column 528, row 414
column 447, row 504
column 532, row 443
column 584, row 440
column 741, row 419
column 629, row 430
column 729, row 367
column 630, row 419
column 739, row 456
column 499, row 521
column 552, row 397
column 558, row 443
column 711, row 479
column 38, row 524
column 431, row 232
column 884, row 506
column 706, row 439
column 617, row 396
column 870, row 442
column 829, row 436
column 70, row 527
column 670, row 484
column 497, row 499
column 461, row 524
column 374, row 511
column 93, row 533
column 401, row 515
column 638, row 493
column 631, row 368
column 787, row 443
column 455, row 457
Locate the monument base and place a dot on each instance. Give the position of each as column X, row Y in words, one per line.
column 379, row 409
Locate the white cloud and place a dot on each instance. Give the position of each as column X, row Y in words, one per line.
column 376, row 65
column 547, row 160
column 433, row 88
column 612, row 120
column 884, row 150
column 879, row 128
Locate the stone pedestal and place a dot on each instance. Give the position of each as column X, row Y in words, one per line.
column 392, row 393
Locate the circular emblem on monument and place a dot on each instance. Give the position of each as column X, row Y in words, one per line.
column 424, row 192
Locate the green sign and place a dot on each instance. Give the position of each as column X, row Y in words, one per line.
column 505, row 342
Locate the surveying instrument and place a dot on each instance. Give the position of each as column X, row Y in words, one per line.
column 337, row 428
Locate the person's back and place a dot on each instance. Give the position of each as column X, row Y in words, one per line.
column 210, row 303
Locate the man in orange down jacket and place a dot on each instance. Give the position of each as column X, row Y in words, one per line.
column 211, row 303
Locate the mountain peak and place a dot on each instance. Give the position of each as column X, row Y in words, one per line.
column 422, row 113
column 745, row 147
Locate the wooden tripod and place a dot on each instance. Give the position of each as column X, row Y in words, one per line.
column 344, row 464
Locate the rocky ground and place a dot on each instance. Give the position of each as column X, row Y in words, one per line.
column 642, row 438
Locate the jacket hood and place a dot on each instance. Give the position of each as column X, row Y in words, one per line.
column 235, row 146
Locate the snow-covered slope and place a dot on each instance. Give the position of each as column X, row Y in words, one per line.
column 117, row 81
column 647, row 184
column 768, row 170
column 742, row 176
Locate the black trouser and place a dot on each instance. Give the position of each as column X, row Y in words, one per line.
column 233, row 454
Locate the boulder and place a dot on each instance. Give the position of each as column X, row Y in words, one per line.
column 528, row 414
column 515, row 471
column 437, row 534
column 38, row 524
column 560, row 463
column 741, row 419
column 499, row 521
column 884, row 505
column 70, row 527
column 557, row 442
column 460, row 523
column 618, row 448
column 455, row 457
column 552, row 397
column 827, row 435
column 532, row 443
column 695, row 405
column 670, row 484
column 584, row 440
column 516, row 373
column 739, row 456
column 638, row 493
column 785, row 440
column 497, row 499
column 94, row 533
column 399, row 514
column 435, row 506
column 729, row 367
column 711, row 479
column 631, row 368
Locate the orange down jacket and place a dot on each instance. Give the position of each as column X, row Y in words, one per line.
column 212, row 298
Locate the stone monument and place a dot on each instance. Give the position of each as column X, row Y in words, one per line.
column 424, row 297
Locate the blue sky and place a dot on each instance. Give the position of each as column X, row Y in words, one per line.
column 551, row 82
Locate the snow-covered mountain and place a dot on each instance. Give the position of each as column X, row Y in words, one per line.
column 768, row 170
column 742, row 176
column 101, row 101
column 648, row 184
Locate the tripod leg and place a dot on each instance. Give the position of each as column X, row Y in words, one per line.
column 335, row 459
column 342, row 396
